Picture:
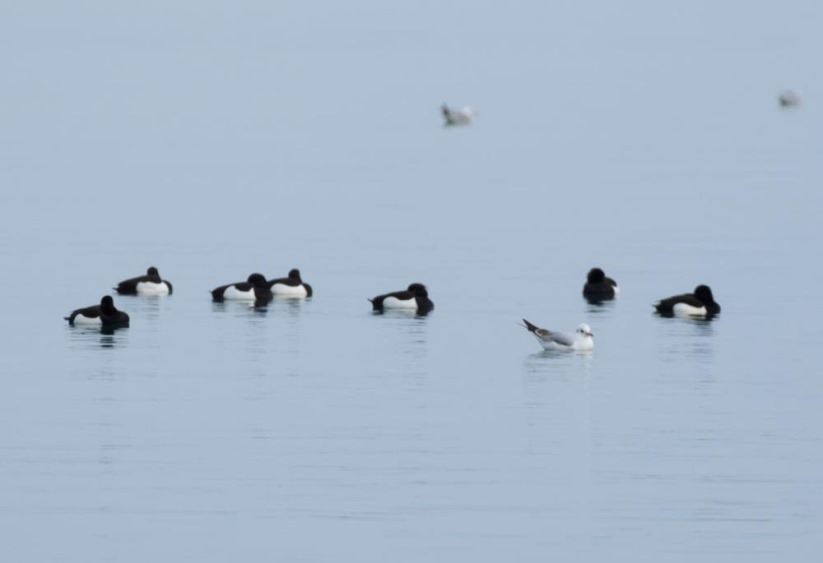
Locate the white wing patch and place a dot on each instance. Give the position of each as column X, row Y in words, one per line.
column 283, row 290
column 234, row 294
column 686, row 310
column 395, row 303
column 151, row 288
column 81, row 319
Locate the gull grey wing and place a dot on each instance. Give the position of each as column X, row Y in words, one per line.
column 559, row 337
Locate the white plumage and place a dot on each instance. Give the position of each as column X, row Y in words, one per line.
column 455, row 116
column 686, row 310
column 285, row 290
column 232, row 293
column 395, row 303
column 81, row 319
column 582, row 339
column 150, row 288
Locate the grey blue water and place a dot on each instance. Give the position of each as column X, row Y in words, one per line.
column 216, row 139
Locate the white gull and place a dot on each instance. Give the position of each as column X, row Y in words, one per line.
column 554, row 340
column 454, row 116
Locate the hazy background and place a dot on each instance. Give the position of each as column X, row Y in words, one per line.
column 215, row 139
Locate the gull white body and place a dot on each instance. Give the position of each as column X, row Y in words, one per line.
column 462, row 116
column 581, row 340
column 563, row 339
column 790, row 98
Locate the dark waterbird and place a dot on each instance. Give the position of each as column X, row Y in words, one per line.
column 701, row 303
column 105, row 314
column 599, row 287
column 150, row 284
column 255, row 288
column 291, row 286
column 415, row 297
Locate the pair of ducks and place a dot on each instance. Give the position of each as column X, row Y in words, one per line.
column 599, row 287
column 260, row 290
column 107, row 315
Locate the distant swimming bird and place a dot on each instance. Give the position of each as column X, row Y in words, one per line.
column 150, row 284
column 416, row 297
column 454, row 116
column 255, row 288
column 104, row 315
column 599, row 286
column 582, row 339
column 701, row 303
column 789, row 98
column 292, row 286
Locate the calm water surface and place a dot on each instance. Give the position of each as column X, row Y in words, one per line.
column 213, row 142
